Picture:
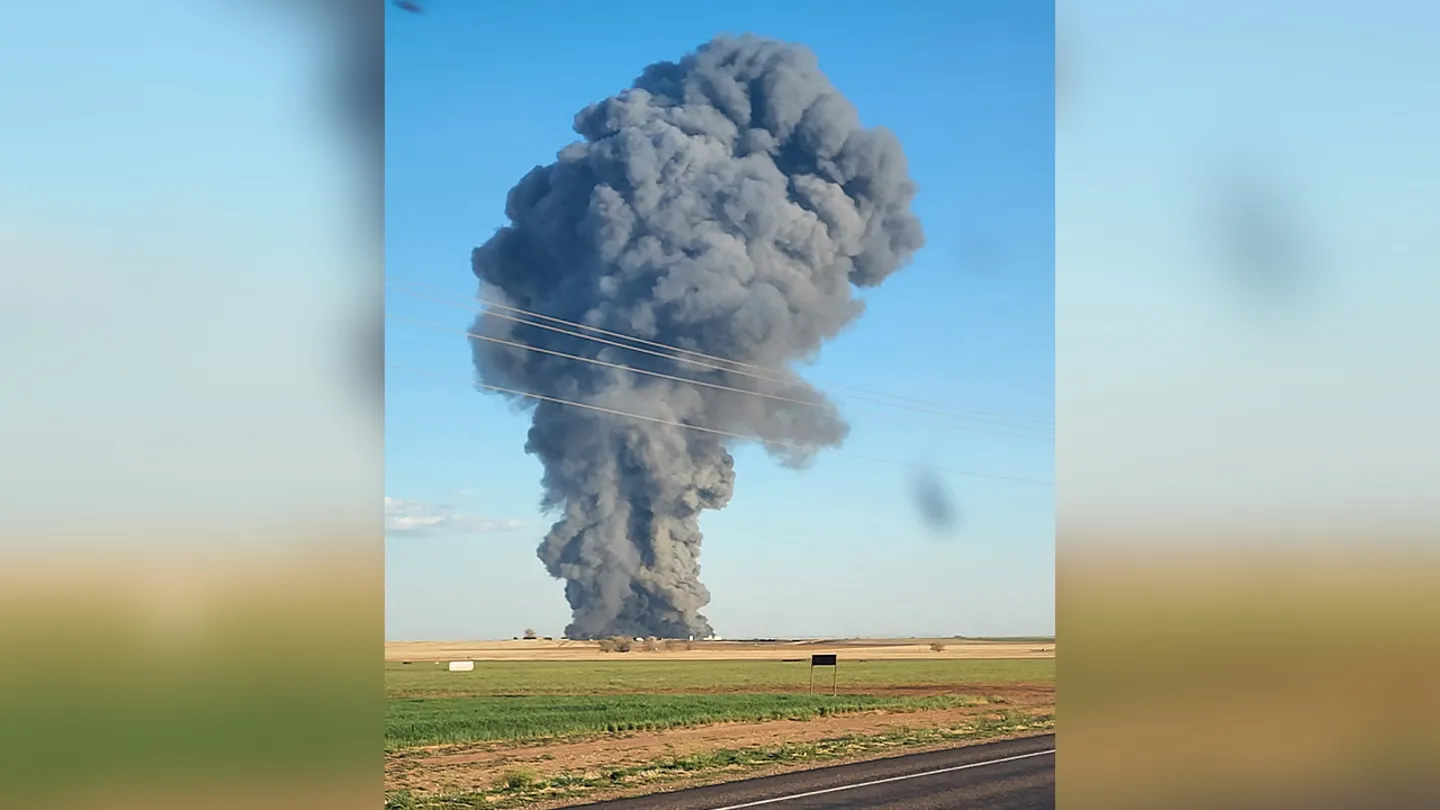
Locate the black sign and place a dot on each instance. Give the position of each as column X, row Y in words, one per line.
column 822, row 660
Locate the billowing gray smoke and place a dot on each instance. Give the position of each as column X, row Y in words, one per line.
column 724, row 204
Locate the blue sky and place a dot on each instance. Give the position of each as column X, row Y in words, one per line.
column 176, row 245
column 477, row 95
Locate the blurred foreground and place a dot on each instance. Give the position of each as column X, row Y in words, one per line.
column 1249, row 679
column 190, row 552
column 1247, row 482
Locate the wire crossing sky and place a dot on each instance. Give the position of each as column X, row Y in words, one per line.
column 949, row 368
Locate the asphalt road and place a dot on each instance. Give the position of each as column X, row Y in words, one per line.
column 1009, row 775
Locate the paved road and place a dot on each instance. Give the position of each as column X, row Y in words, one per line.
column 1010, row 775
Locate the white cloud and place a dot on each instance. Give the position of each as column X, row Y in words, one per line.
column 425, row 519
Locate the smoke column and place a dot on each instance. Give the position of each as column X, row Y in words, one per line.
column 724, row 204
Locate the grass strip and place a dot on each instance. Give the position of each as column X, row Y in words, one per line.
column 417, row 722
column 632, row 672
column 526, row 789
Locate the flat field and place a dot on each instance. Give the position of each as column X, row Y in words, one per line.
column 554, row 731
column 766, row 650
column 631, row 672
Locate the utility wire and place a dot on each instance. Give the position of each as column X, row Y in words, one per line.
column 766, row 371
column 824, row 406
column 710, row 362
column 620, row 366
column 728, row 434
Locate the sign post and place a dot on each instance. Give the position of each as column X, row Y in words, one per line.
column 824, row 661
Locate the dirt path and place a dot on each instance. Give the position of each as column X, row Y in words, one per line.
column 476, row 767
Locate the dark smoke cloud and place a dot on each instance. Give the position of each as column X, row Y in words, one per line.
column 937, row 509
column 726, row 204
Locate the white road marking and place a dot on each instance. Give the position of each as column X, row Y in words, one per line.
column 883, row 781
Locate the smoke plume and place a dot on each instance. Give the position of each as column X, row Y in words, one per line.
column 724, row 204
column 937, row 509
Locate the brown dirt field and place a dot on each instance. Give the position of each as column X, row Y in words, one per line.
column 476, row 767
column 875, row 650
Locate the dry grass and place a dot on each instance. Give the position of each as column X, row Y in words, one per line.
column 858, row 649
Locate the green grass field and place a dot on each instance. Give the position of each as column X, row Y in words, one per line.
column 521, row 788
column 495, row 678
column 426, row 721
column 512, row 701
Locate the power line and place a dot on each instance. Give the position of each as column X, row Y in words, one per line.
column 824, row 406
column 767, row 372
column 710, row 362
column 728, row 434
column 607, row 364
column 644, row 341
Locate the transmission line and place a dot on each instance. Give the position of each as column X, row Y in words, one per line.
column 729, row 434
column 707, row 361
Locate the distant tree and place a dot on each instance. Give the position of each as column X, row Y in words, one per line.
column 529, row 634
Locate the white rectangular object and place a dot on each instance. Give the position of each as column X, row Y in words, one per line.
column 462, row 666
